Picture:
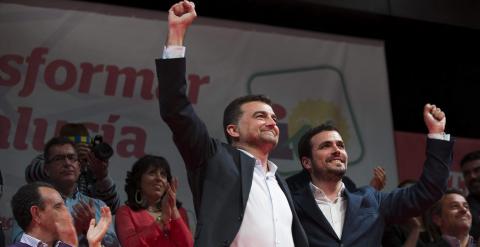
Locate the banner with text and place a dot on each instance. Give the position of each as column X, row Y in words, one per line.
column 94, row 64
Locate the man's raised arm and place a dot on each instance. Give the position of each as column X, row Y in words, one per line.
column 411, row 201
column 180, row 16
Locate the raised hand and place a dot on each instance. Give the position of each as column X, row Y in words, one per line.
column 180, row 16
column 434, row 118
column 379, row 179
column 96, row 232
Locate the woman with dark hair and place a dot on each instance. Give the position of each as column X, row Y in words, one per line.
column 151, row 216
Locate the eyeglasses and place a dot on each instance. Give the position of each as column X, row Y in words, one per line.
column 62, row 157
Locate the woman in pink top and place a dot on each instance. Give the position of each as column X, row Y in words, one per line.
column 150, row 216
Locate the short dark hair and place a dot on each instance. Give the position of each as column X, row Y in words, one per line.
column 55, row 141
column 437, row 207
column 305, row 145
column 26, row 197
column 132, row 182
column 233, row 111
column 475, row 155
column 73, row 129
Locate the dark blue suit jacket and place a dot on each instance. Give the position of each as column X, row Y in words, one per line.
column 19, row 244
column 368, row 211
column 219, row 175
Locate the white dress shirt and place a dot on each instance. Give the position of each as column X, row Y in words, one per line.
column 334, row 211
column 267, row 219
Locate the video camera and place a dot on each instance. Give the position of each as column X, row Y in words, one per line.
column 101, row 150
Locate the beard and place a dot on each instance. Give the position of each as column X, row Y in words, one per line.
column 329, row 174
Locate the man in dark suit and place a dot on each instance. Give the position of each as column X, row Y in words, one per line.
column 238, row 197
column 334, row 216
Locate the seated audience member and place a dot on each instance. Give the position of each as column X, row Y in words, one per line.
column 41, row 212
column 63, row 169
column 470, row 166
column 413, row 232
column 150, row 216
column 453, row 218
column 94, row 180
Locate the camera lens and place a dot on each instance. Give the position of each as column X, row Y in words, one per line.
column 102, row 151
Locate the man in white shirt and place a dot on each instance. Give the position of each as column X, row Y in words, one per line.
column 333, row 216
column 239, row 198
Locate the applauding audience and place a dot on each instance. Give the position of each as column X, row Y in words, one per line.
column 41, row 212
column 62, row 167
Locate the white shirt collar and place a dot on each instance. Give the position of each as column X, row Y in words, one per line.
column 32, row 241
column 272, row 168
column 318, row 193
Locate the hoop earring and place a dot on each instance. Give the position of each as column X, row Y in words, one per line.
column 138, row 195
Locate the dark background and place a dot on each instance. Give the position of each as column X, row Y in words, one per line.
column 432, row 46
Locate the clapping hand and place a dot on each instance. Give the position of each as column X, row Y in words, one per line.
column 96, row 232
column 169, row 203
column 82, row 214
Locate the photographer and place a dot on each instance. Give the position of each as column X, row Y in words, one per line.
column 93, row 156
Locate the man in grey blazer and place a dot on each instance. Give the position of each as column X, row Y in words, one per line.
column 334, row 216
column 239, row 198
